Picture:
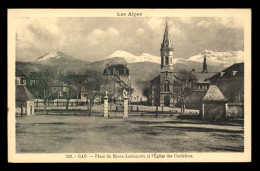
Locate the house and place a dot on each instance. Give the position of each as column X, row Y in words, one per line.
column 79, row 82
column 116, row 69
column 20, row 79
column 230, row 82
column 200, row 84
column 83, row 93
column 199, row 80
column 59, row 89
column 214, row 103
column 117, row 79
column 24, row 100
column 166, row 88
column 33, row 79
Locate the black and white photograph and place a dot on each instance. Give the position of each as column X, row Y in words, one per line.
column 129, row 85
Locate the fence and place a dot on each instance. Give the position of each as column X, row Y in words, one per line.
column 114, row 108
column 74, row 107
column 55, row 103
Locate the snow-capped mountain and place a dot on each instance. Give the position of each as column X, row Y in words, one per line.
column 57, row 58
column 130, row 58
column 216, row 61
column 53, row 55
column 224, row 59
column 145, row 57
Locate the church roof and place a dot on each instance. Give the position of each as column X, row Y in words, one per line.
column 156, row 80
column 214, row 94
column 23, row 94
column 166, row 38
column 203, row 77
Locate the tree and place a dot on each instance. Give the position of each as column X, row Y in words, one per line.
column 187, row 90
column 46, row 80
column 156, row 91
column 72, row 86
column 185, row 93
column 93, row 86
column 147, row 93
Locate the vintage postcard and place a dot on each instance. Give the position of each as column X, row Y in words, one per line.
column 129, row 85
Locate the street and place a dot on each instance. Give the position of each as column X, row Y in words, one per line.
column 82, row 134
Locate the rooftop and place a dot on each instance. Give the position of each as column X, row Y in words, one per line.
column 238, row 68
column 23, row 94
column 214, row 94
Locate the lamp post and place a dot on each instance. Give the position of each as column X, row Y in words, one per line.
column 129, row 89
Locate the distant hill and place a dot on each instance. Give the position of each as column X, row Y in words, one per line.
column 61, row 61
column 218, row 59
column 142, row 68
column 101, row 65
column 27, row 67
column 130, row 58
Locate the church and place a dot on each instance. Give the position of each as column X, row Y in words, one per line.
column 166, row 88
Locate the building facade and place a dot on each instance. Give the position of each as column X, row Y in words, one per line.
column 20, row 79
column 230, row 81
column 117, row 79
column 167, row 87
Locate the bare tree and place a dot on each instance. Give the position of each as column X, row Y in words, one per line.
column 93, row 85
column 46, row 80
column 156, row 92
column 72, row 86
column 187, row 80
column 147, row 93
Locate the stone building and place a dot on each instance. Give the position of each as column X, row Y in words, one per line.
column 167, row 86
column 24, row 100
column 164, row 85
column 230, row 82
column 20, row 79
column 214, row 103
column 117, row 79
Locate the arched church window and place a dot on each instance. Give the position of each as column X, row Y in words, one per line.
column 166, row 86
column 166, row 60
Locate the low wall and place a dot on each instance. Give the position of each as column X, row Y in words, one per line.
column 235, row 111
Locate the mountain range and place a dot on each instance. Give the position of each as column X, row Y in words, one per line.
column 142, row 68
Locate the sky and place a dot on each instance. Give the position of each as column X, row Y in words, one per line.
column 93, row 39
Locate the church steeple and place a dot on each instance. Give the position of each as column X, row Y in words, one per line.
column 166, row 52
column 166, row 39
column 205, row 70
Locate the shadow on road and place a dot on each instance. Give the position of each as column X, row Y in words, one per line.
column 198, row 129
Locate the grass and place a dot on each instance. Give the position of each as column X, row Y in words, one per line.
column 81, row 134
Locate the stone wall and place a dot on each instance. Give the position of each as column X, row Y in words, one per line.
column 235, row 111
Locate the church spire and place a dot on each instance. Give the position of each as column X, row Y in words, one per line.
column 166, row 51
column 205, row 70
column 166, row 38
